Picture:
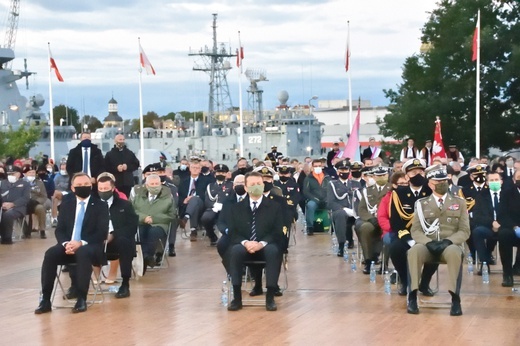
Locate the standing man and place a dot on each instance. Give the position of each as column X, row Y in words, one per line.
column 81, row 230
column 255, row 228
column 332, row 154
column 15, row 195
column 426, row 152
column 122, row 162
column 372, row 151
column 273, row 156
column 439, row 228
column 410, row 151
column 87, row 158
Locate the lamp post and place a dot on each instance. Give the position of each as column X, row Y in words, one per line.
column 312, row 98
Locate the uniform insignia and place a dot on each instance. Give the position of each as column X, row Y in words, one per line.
column 407, row 206
column 424, row 193
column 289, row 202
column 271, row 197
column 284, row 229
column 408, row 195
column 454, row 207
column 448, row 219
column 402, row 233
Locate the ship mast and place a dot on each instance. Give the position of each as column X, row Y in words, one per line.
column 215, row 62
column 12, row 28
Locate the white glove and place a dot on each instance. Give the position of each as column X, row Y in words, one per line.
column 349, row 211
column 217, row 207
column 411, row 242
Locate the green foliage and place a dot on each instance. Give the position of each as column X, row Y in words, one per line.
column 92, row 123
column 441, row 81
column 17, row 143
column 68, row 114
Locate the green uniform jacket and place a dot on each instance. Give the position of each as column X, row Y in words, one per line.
column 374, row 197
column 162, row 209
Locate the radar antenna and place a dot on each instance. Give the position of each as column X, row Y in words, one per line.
column 254, row 91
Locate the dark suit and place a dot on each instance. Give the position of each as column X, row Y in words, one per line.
column 75, row 161
column 124, row 179
column 367, row 153
column 18, row 193
column 94, row 231
column 269, row 228
column 508, row 218
column 195, row 206
column 222, row 224
column 484, row 213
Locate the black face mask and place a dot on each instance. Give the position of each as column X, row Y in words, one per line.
column 402, row 189
column 284, row 179
column 356, row 174
column 42, row 176
column 480, row 179
column 418, row 180
column 220, row 177
column 242, row 170
column 105, row 195
column 163, row 178
column 456, row 173
column 86, row 143
column 343, row 176
column 82, row 191
column 240, row 190
column 204, row 170
column 267, row 186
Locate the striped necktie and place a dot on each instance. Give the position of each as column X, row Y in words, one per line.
column 253, row 223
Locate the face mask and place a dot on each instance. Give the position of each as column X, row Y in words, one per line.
column 42, row 176
column 105, row 195
column 183, row 167
column 12, row 178
column 256, row 190
column 510, row 163
column 204, row 170
column 276, row 177
column 163, row 178
column 86, row 143
column 49, row 170
column 381, row 181
column 154, row 190
column 456, row 173
column 220, row 177
column 267, row 186
column 356, row 174
column 402, row 189
column 63, row 172
column 418, row 180
column 30, row 178
column 240, row 190
column 494, row 186
column 442, row 188
column 242, row 170
column 82, row 191
column 318, row 170
column 343, row 176
column 371, row 181
column 480, row 179
column 284, row 179
column 120, row 145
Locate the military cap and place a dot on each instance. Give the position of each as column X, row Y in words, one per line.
column 414, row 163
column 27, row 168
column 107, row 174
column 274, row 147
column 356, row 165
column 195, row 159
column 285, row 169
column 153, row 167
column 453, row 146
column 379, row 170
column 12, row 169
column 265, row 171
column 478, row 169
column 221, row 168
column 428, row 141
column 436, row 172
column 344, row 164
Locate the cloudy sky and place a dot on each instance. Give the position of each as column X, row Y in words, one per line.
column 301, row 45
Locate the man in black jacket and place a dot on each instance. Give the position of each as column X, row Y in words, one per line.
column 87, row 158
column 122, row 162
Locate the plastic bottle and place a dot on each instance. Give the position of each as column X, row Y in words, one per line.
column 353, row 264
column 388, row 288
column 345, row 252
column 113, row 289
column 334, row 244
column 224, row 296
column 485, row 273
column 372, row 272
column 470, row 264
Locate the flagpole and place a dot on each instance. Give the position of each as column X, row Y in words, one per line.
column 239, row 52
column 477, row 92
column 349, row 82
column 51, row 111
column 141, row 126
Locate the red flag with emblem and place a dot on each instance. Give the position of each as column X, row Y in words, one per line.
column 438, row 146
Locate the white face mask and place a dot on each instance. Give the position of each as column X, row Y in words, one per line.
column 317, row 170
column 12, row 178
column 371, row 181
column 510, row 163
column 49, row 170
column 30, row 178
column 63, row 172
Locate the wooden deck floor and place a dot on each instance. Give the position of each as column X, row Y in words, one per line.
column 325, row 304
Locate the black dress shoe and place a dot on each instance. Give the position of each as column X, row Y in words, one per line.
column 310, row 231
column 278, row 292
column 42, row 235
column 402, row 291
column 45, row 306
column 6, row 242
column 171, row 251
column 516, row 271
column 123, row 292
column 81, row 306
column 256, row 291
column 149, row 261
column 412, row 307
column 456, row 309
column 234, row 305
column 426, row 291
column 508, row 281
column 71, row 294
column 393, row 278
column 350, row 245
column 366, row 269
column 270, row 304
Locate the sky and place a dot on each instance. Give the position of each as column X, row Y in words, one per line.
column 300, row 44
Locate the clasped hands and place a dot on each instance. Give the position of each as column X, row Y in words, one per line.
column 436, row 247
column 122, row 167
column 72, row 246
column 253, row 246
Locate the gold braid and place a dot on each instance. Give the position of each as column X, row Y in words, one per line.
column 399, row 207
column 470, row 201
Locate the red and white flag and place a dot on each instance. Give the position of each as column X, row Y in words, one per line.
column 438, row 146
column 145, row 63
column 347, row 53
column 476, row 40
column 240, row 56
column 54, row 66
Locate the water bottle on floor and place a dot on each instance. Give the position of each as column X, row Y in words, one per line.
column 388, row 288
column 345, row 252
column 334, row 244
column 224, row 295
column 353, row 264
column 113, row 289
column 485, row 273
column 470, row 264
column 372, row 272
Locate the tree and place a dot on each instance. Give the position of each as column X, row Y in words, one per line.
column 92, row 123
column 18, row 143
column 441, row 80
column 149, row 118
column 68, row 114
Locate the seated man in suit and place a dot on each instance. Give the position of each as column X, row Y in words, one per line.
column 15, row 195
column 36, row 204
column 155, row 207
column 509, row 231
column 315, row 192
column 440, row 226
column 81, row 230
column 256, row 229
column 121, row 230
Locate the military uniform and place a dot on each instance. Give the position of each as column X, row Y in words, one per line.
column 290, row 191
column 273, row 156
column 17, row 193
